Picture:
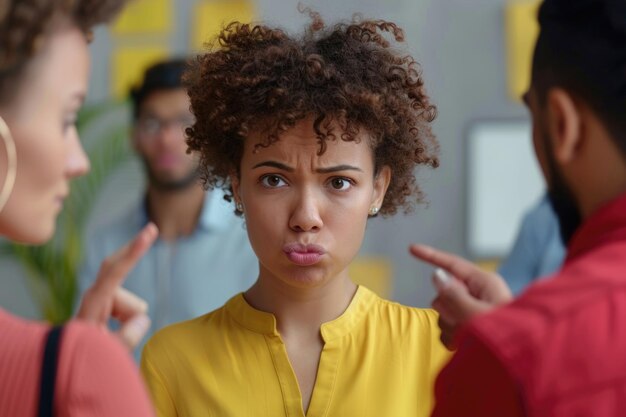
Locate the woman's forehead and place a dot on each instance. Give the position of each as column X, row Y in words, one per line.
column 300, row 148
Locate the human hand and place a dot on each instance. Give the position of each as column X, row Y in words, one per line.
column 470, row 290
column 106, row 298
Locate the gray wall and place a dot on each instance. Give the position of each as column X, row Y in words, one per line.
column 460, row 44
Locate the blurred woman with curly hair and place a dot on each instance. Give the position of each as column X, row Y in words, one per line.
column 77, row 369
column 310, row 136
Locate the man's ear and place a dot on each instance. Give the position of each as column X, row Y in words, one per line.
column 134, row 139
column 381, row 184
column 564, row 124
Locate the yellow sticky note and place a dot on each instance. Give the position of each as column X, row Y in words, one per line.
column 490, row 265
column 374, row 273
column 129, row 64
column 522, row 30
column 210, row 17
column 145, row 16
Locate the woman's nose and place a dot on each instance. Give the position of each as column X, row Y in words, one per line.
column 306, row 216
column 77, row 162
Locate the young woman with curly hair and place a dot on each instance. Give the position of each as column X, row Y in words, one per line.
column 311, row 136
column 79, row 369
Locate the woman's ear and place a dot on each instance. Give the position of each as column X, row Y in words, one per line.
column 234, row 183
column 381, row 183
column 564, row 125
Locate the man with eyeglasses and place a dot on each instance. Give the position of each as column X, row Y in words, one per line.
column 202, row 256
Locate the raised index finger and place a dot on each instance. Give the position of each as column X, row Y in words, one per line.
column 115, row 269
column 459, row 267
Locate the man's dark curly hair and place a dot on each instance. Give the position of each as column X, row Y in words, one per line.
column 25, row 24
column 260, row 78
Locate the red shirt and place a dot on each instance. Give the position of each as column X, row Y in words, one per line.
column 95, row 376
column 560, row 349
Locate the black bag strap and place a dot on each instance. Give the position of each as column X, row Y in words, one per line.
column 49, row 372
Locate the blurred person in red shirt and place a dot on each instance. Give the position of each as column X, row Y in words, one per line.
column 560, row 348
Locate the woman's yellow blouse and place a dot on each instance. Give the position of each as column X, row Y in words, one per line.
column 380, row 359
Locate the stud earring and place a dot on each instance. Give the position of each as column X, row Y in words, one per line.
column 373, row 211
column 239, row 207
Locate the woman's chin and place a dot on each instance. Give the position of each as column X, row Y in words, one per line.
column 33, row 235
column 306, row 277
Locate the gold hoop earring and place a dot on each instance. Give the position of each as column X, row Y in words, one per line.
column 9, row 181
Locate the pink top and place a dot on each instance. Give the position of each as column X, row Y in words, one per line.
column 96, row 376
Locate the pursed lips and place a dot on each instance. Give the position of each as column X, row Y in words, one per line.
column 304, row 254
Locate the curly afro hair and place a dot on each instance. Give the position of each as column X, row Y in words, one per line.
column 24, row 25
column 261, row 78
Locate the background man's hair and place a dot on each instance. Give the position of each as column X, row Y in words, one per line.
column 165, row 75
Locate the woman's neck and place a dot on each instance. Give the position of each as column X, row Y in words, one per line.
column 176, row 214
column 300, row 311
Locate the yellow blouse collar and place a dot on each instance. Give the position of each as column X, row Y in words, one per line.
column 265, row 323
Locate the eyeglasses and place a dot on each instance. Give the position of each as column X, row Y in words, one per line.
column 151, row 126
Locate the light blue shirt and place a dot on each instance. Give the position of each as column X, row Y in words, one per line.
column 188, row 277
column 538, row 251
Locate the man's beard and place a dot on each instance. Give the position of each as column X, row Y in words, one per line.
column 566, row 211
column 167, row 185
column 561, row 198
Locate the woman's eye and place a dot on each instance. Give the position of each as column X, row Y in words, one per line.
column 68, row 124
column 340, row 184
column 272, row 181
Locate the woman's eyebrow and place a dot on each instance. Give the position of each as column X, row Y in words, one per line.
column 338, row 168
column 274, row 164
column 327, row 170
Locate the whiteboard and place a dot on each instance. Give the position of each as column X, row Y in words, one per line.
column 504, row 181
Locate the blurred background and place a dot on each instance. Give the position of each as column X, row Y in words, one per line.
column 475, row 57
